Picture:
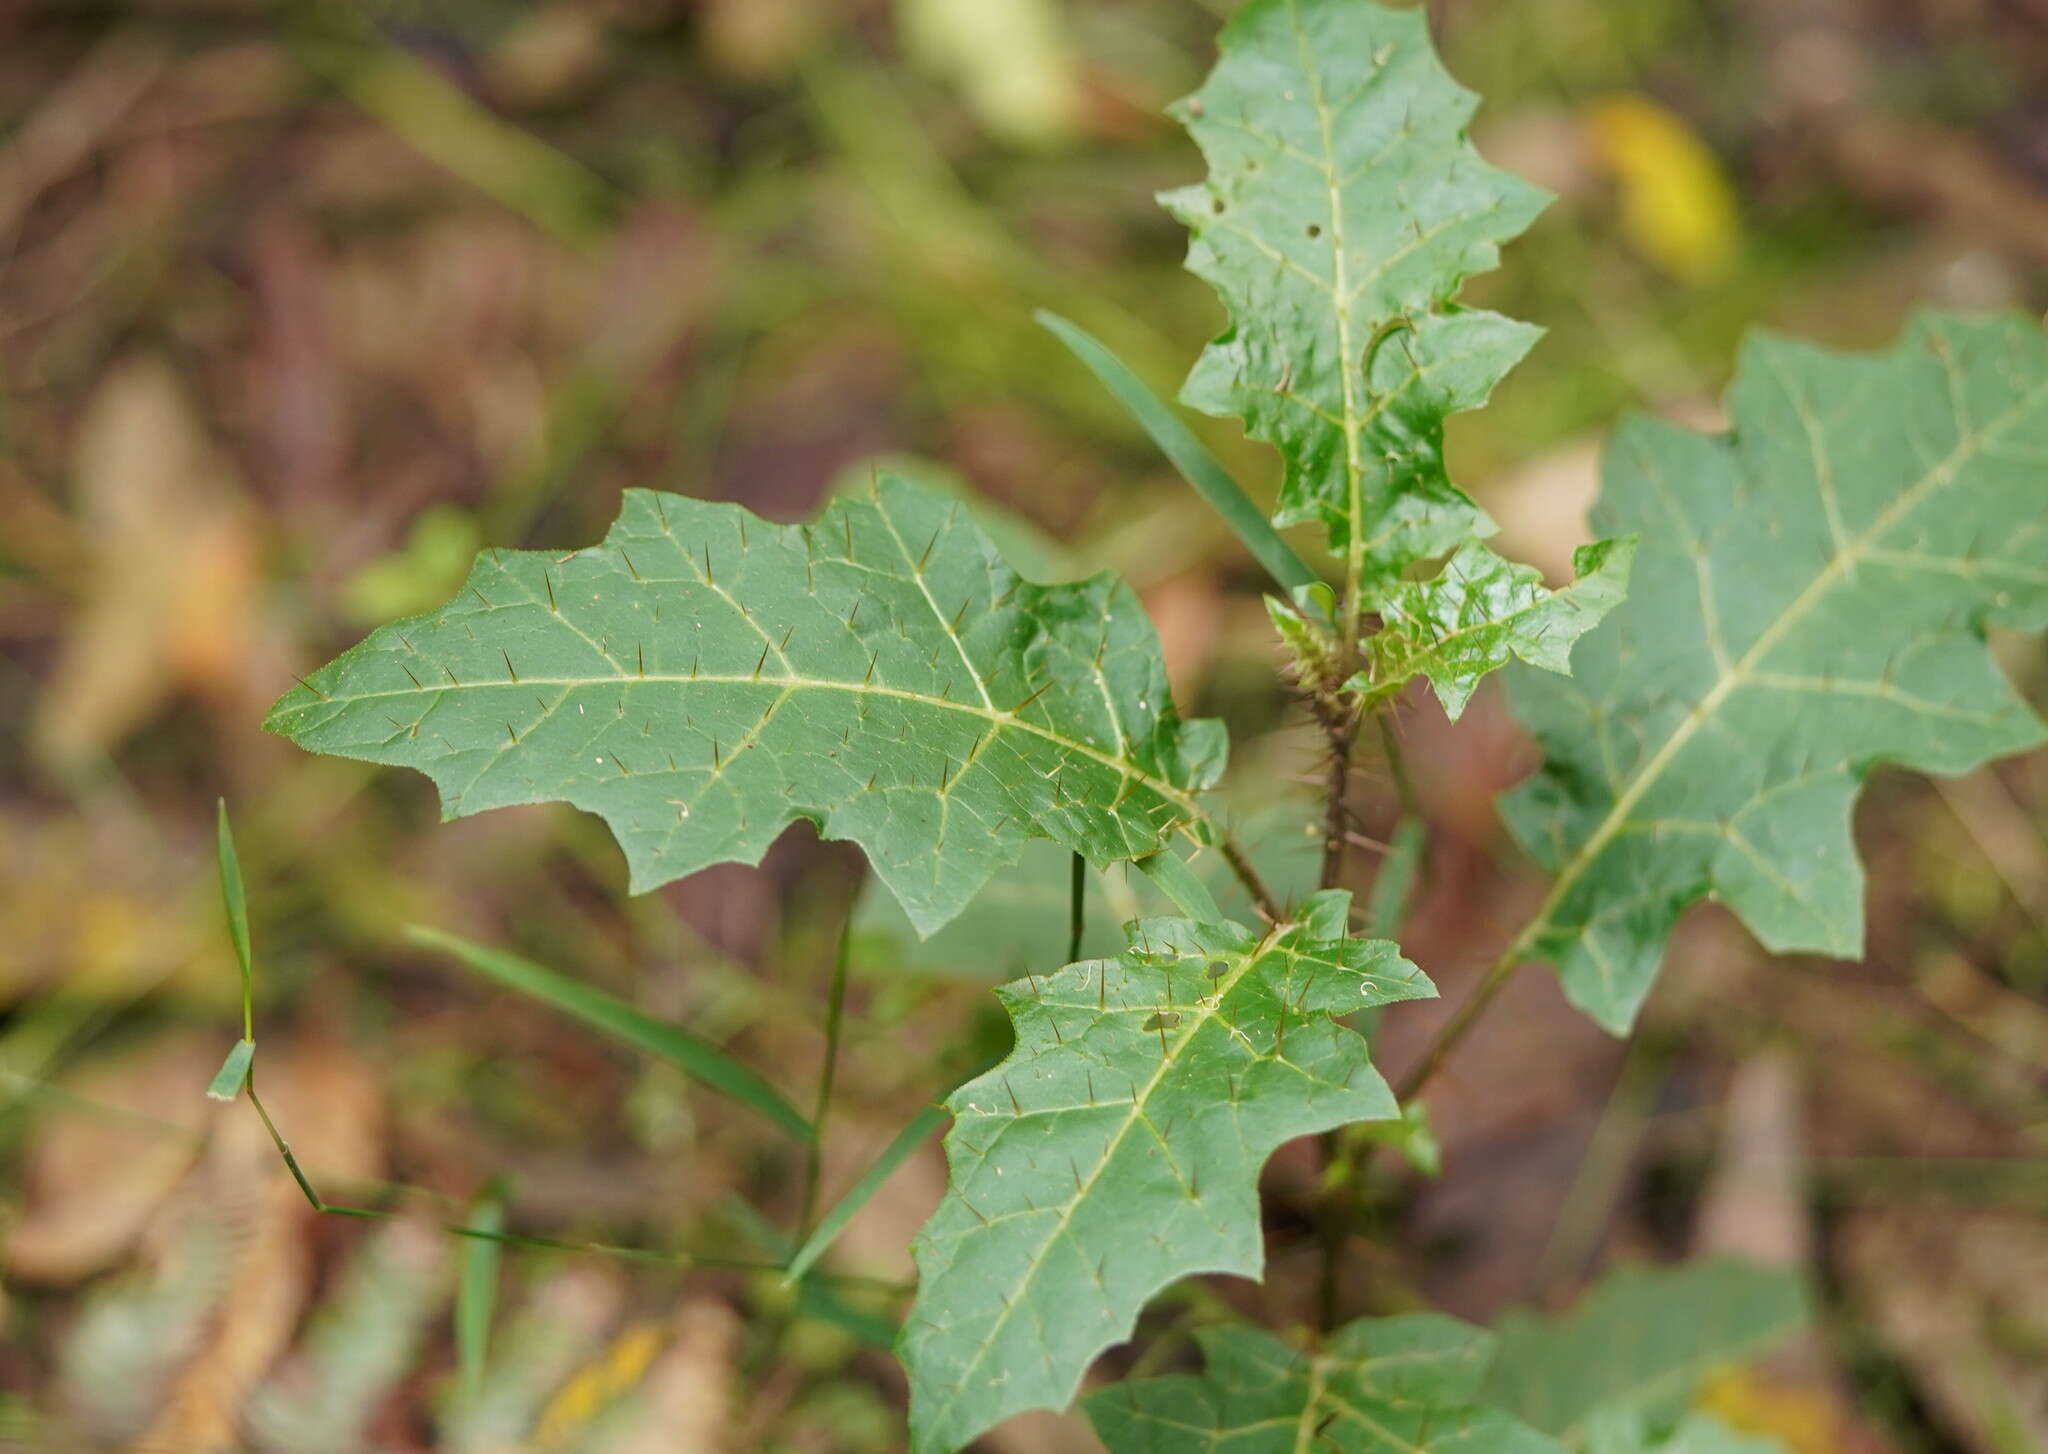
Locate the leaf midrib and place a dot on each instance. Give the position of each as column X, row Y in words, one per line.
column 1733, row 677
column 1340, row 295
column 1176, row 795
column 1167, row 1061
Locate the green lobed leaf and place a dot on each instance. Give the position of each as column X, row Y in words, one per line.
column 1640, row 1341
column 1344, row 206
column 1118, row 1147
column 702, row 678
column 1479, row 613
column 1403, row 1385
column 1812, row 592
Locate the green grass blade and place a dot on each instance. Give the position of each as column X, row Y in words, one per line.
column 227, row 1081
column 827, row 1231
column 1200, row 468
column 476, row 1293
column 691, row 1054
column 1178, row 882
column 236, row 901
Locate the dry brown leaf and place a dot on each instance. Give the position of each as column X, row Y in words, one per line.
column 105, row 911
column 761, row 41
column 533, row 1353
column 170, row 599
column 329, row 1106
column 75, row 116
column 548, row 53
column 1960, row 1300
column 684, row 1405
column 102, row 1161
column 268, row 1281
column 1755, row 1204
column 1187, row 610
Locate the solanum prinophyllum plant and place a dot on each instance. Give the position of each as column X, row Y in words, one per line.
column 1766, row 616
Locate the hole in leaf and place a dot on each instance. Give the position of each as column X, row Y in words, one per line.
column 1164, row 1020
column 1315, row 229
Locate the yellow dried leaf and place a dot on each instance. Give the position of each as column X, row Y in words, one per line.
column 1677, row 207
column 597, row 1384
column 1011, row 60
column 1802, row 1417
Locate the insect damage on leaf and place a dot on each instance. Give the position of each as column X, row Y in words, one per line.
column 1118, row 1147
column 702, row 678
column 1811, row 596
column 1344, row 206
column 1343, row 209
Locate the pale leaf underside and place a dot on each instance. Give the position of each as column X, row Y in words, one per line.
column 1118, row 1147
column 702, row 678
column 1809, row 601
column 1403, row 1385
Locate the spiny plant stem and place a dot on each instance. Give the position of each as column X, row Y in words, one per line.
column 1336, row 825
column 835, row 1018
column 1241, row 865
column 1341, row 724
column 1344, row 1157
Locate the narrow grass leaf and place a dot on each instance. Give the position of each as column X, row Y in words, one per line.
column 691, row 1054
column 827, row 1231
column 235, row 901
column 1188, row 454
column 476, row 1292
column 227, row 1081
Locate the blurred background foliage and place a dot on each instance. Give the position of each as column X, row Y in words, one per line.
column 301, row 302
